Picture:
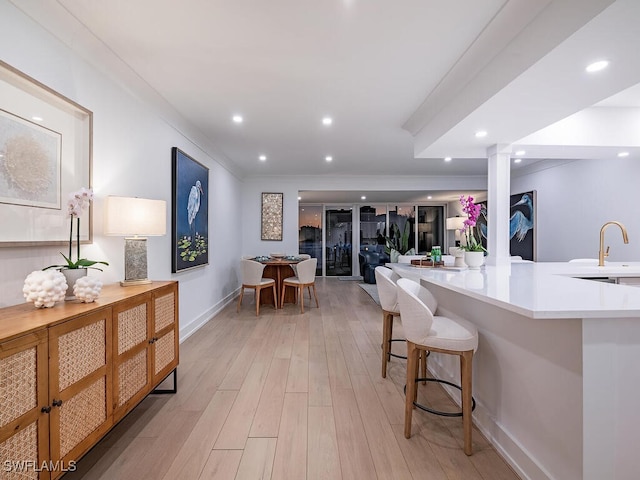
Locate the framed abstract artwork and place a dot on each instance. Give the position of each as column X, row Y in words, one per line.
column 189, row 213
column 271, row 216
column 45, row 155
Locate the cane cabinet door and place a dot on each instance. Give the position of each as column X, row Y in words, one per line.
column 24, row 406
column 131, row 355
column 165, row 332
column 80, row 383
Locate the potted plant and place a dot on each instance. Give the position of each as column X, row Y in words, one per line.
column 398, row 243
column 474, row 251
column 72, row 270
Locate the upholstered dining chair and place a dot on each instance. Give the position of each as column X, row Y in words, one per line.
column 294, row 267
column 252, row 278
column 306, row 278
column 435, row 333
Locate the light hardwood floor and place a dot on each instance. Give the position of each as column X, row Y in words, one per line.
column 290, row 396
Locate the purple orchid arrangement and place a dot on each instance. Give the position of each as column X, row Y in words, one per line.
column 473, row 244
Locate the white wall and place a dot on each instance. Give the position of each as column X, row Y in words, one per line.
column 131, row 157
column 575, row 199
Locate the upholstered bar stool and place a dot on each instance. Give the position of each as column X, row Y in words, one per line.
column 252, row 278
column 425, row 331
column 388, row 294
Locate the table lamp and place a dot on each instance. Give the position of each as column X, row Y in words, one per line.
column 455, row 223
column 135, row 219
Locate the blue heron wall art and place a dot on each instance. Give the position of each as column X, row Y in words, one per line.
column 521, row 225
column 190, row 213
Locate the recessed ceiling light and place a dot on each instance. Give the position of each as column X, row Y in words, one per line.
column 363, row 197
column 237, row 118
column 37, row 119
column 328, row 158
column 597, row 66
column 327, row 120
column 481, row 134
column 429, row 197
column 262, row 158
column 623, row 154
column 520, row 153
column 517, row 160
column 300, row 198
column 447, row 159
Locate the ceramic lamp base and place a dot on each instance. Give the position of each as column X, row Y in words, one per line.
column 135, row 262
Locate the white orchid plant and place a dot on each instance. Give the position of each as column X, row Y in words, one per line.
column 78, row 202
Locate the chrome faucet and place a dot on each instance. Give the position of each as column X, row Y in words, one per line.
column 601, row 253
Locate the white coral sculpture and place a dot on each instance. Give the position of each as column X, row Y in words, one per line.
column 44, row 288
column 87, row 289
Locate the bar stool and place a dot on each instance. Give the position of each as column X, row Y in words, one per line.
column 425, row 331
column 388, row 294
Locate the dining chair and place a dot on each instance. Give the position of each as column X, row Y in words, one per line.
column 252, row 278
column 306, row 278
column 294, row 267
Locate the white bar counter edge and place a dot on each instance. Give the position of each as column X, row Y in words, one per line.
column 555, row 375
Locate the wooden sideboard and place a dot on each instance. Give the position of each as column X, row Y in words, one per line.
column 69, row 373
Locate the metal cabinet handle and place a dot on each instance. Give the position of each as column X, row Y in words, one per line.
column 57, row 403
column 46, row 409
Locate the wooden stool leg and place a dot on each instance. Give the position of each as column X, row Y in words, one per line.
column 315, row 295
column 415, row 375
column 466, row 360
column 412, row 370
column 301, row 296
column 257, row 301
column 240, row 299
column 423, row 365
column 386, row 336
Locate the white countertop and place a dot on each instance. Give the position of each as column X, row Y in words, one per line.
column 541, row 290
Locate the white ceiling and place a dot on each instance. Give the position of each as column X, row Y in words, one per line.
column 407, row 82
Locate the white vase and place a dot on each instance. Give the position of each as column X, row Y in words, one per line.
column 474, row 260
column 72, row 274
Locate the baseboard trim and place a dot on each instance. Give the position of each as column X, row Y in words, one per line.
column 197, row 323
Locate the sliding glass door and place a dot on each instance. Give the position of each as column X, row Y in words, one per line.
column 338, row 241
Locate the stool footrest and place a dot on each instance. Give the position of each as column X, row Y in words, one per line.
column 438, row 412
column 404, row 357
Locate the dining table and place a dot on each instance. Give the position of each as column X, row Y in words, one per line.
column 278, row 268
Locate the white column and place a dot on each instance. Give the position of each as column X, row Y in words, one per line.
column 498, row 208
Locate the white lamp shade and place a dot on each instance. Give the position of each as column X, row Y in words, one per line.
column 455, row 223
column 135, row 216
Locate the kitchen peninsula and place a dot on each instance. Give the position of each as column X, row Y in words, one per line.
column 556, row 374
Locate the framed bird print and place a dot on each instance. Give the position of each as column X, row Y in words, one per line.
column 189, row 213
column 522, row 225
